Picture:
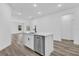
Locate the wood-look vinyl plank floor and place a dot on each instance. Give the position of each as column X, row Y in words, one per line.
column 16, row 49
column 64, row 48
column 61, row 48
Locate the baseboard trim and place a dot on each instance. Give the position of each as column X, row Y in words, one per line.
column 5, row 47
column 67, row 40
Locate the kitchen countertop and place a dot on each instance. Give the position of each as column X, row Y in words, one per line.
column 41, row 33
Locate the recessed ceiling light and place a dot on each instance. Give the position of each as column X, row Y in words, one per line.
column 39, row 12
column 30, row 17
column 35, row 5
column 59, row 5
column 19, row 13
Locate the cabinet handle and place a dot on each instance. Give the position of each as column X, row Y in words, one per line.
column 28, row 39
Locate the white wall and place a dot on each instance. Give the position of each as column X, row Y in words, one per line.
column 8, row 25
column 76, row 26
column 5, row 33
column 53, row 24
column 14, row 25
column 49, row 24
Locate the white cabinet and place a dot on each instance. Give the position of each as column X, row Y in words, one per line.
column 29, row 40
column 43, row 44
column 39, row 44
column 48, row 45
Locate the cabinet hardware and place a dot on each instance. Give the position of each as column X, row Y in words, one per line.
column 28, row 39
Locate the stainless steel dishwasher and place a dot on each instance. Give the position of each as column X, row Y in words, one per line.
column 39, row 44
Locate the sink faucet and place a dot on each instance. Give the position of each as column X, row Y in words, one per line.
column 35, row 29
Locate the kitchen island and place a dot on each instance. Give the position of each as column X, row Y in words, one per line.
column 41, row 43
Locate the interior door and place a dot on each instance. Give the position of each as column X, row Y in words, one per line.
column 67, row 26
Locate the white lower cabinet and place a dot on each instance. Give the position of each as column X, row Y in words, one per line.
column 29, row 40
column 43, row 44
column 39, row 43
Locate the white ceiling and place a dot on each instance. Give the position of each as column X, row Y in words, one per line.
column 27, row 11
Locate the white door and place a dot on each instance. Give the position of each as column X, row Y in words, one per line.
column 67, row 26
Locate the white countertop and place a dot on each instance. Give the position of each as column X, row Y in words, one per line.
column 44, row 34
column 41, row 33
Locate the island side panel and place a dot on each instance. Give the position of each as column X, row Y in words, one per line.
column 48, row 45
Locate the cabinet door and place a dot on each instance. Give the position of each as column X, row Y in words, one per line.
column 36, row 42
column 39, row 44
column 27, row 40
column 31, row 41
